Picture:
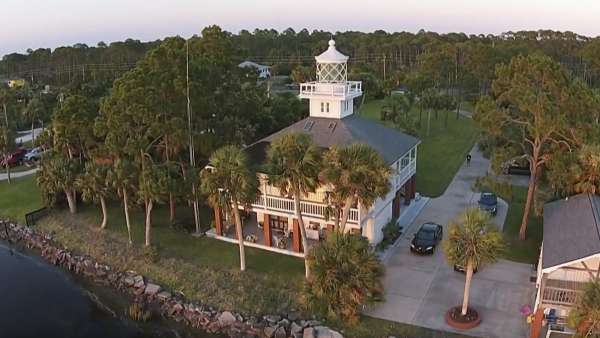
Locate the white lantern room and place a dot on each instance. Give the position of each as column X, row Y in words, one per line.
column 332, row 95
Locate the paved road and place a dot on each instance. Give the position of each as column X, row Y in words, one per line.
column 4, row 177
column 419, row 289
column 25, row 135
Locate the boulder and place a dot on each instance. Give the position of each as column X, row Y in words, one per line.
column 226, row 319
column 138, row 281
column 295, row 328
column 309, row 332
column 273, row 319
column 269, row 331
column 129, row 281
column 280, row 333
column 164, row 295
column 152, row 289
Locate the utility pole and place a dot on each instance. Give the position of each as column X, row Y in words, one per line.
column 384, row 64
column 191, row 137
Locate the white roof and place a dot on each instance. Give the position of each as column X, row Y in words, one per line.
column 331, row 55
column 251, row 64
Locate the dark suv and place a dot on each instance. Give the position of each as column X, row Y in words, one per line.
column 489, row 202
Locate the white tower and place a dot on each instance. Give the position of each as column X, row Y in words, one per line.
column 332, row 94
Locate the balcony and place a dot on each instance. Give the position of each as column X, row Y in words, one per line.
column 347, row 90
column 309, row 209
column 561, row 293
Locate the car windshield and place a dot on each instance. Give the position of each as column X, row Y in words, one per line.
column 425, row 235
column 488, row 198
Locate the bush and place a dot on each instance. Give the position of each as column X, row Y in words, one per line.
column 391, row 232
column 346, row 275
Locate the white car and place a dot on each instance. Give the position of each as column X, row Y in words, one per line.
column 34, row 154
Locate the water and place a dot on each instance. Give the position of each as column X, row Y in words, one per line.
column 40, row 300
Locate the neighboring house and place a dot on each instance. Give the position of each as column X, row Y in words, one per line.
column 264, row 72
column 331, row 122
column 570, row 254
column 16, row 83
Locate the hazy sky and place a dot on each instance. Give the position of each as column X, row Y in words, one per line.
column 51, row 23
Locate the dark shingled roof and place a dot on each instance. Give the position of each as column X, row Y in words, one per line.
column 571, row 229
column 326, row 132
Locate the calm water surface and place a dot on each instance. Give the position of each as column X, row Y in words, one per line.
column 40, row 300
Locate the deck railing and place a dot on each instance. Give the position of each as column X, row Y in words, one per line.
column 331, row 89
column 311, row 209
column 563, row 293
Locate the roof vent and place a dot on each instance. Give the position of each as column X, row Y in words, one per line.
column 308, row 125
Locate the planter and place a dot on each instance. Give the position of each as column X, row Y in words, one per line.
column 456, row 320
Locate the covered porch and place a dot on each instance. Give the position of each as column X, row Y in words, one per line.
column 282, row 235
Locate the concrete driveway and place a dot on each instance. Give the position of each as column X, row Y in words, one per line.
column 420, row 289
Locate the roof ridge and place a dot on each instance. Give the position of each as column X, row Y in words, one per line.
column 595, row 213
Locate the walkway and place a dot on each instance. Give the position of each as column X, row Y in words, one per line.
column 419, row 289
column 4, row 177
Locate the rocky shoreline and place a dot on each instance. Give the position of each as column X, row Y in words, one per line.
column 169, row 305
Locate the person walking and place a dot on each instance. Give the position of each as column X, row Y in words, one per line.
column 468, row 160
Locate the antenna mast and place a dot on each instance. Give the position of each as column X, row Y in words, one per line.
column 191, row 137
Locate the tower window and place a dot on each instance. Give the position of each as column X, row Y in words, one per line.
column 328, row 107
column 322, row 107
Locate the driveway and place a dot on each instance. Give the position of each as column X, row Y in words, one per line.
column 420, row 289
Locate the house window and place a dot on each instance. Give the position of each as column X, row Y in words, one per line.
column 328, row 107
column 322, row 107
column 278, row 223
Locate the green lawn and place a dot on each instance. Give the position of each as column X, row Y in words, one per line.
column 441, row 153
column 19, row 197
column 526, row 251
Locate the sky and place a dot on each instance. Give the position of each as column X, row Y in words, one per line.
column 51, row 23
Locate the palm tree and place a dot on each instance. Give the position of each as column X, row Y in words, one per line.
column 122, row 176
column 32, row 112
column 358, row 175
column 586, row 174
column 473, row 241
column 93, row 186
column 7, row 146
column 229, row 183
column 293, row 165
column 152, row 185
column 585, row 316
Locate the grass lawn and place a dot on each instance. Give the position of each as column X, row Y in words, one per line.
column 441, row 153
column 526, row 251
column 19, row 197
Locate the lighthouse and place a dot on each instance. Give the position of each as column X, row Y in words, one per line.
column 331, row 95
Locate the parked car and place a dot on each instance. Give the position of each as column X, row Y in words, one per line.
column 34, row 154
column 462, row 269
column 516, row 167
column 488, row 202
column 15, row 158
column 427, row 238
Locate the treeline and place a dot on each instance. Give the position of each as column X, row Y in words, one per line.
column 457, row 57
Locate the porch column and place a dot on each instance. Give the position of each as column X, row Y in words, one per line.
column 296, row 238
column 396, row 205
column 267, row 231
column 407, row 191
column 218, row 221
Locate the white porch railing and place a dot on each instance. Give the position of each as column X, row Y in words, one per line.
column 560, row 292
column 405, row 173
column 286, row 205
column 350, row 88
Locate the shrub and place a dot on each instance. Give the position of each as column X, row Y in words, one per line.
column 391, row 232
column 346, row 275
column 139, row 312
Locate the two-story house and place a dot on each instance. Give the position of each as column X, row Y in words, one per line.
column 569, row 258
column 271, row 219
